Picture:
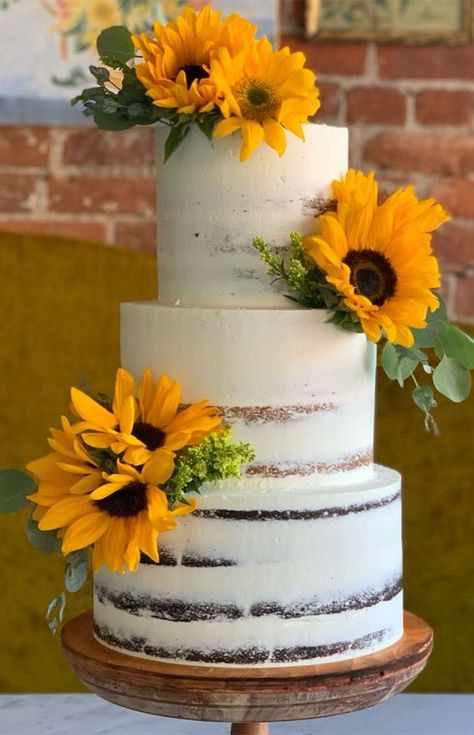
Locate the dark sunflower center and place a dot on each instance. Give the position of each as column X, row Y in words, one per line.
column 372, row 275
column 125, row 503
column 150, row 435
column 193, row 72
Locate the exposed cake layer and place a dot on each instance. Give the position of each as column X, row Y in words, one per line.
column 266, row 577
column 299, row 389
column 211, row 206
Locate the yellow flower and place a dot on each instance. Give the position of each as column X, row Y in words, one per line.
column 175, row 68
column 379, row 258
column 262, row 93
column 66, row 470
column 103, row 14
column 68, row 14
column 150, row 425
column 122, row 518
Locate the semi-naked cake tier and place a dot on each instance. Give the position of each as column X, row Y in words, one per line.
column 300, row 560
column 211, row 206
column 271, row 577
column 300, row 389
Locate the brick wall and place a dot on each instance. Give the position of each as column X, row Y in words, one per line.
column 411, row 114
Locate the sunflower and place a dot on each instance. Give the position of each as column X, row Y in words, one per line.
column 121, row 518
column 379, row 258
column 262, row 93
column 67, row 470
column 175, row 68
column 146, row 427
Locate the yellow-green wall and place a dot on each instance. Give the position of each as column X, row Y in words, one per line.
column 59, row 326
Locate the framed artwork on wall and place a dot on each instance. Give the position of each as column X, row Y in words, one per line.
column 50, row 44
column 408, row 21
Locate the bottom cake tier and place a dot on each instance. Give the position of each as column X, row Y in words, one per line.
column 263, row 575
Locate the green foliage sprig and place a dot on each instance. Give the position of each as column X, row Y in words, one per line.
column 217, row 457
column 129, row 105
column 441, row 351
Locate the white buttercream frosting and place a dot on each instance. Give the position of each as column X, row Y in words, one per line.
column 329, row 575
column 211, row 206
column 310, row 383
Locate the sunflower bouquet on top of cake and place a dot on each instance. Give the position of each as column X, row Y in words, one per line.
column 203, row 70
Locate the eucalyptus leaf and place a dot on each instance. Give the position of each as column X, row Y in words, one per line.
column 55, row 612
column 413, row 353
column 76, row 571
column 390, row 360
column 452, row 379
column 116, row 43
column 45, row 541
column 175, row 138
column 424, row 397
column 458, row 345
column 15, row 485
column 435, row 321
column 107, row 121
column 405, row 369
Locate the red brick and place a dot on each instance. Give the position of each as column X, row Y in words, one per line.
column 90, row 146
column 439, row 154
column 376, row 105
column 347, row 59
column 69, row 228
column 439, row 107
column 426, row 62
column 16, row 191
column 457, row 195
column 105, row 194
column 453, row 244
column 24, row 146
column 464, row 297
column 330, row 96
column 137, row 236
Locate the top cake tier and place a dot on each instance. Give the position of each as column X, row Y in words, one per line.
column 211, row 206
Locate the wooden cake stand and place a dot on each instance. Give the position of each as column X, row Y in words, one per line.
column 247, row 697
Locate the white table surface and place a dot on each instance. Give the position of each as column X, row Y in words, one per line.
column 86, row 714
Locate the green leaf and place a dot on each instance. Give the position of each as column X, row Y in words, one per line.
column 458, row 345
column 116, row 43
column 424, row 397
column 452, row 379
column 100, row 73
column 55, row 612
column 435, row 321
column 112, row 122
column 45, row 541
column 413, row 353
column 405, row 369
column 76, row 571
column 390, row 361
column 175, row 138
column 15, row 485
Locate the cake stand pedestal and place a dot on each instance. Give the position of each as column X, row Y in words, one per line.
column 247, row 697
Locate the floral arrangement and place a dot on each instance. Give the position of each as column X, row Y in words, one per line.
column 120, row 476
column 371, row 265
column 201, row 70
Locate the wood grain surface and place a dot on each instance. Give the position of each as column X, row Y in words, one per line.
column 242, row 694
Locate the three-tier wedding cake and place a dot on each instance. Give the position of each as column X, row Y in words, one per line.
column 300, row 560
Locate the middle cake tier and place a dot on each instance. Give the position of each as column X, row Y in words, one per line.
column 299, row 389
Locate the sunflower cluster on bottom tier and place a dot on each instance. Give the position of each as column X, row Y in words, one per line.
column 120, row 475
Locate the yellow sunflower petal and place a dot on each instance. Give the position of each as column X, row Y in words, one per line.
column 274, row 136
column 65, row 511
column 227, row 127
column 159, row 467
column 252, row 134
column 90, row 410
column 124, row 388
column 85, row 531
